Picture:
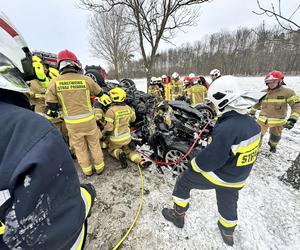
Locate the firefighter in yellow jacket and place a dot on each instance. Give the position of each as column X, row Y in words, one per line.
column 38, row 86
column 274, row 106
column 118, row 118
column 196, row 93
column 154, row 88
column 176, row 86
column 101, row 105
column 72, row 90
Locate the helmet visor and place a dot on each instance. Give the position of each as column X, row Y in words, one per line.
column 11, row 77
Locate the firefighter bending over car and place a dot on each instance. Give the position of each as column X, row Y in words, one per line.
column 71, row 91
column 226, row 162
column 273, row 108
column 117, row 128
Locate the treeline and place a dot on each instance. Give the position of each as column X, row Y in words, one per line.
column 242, row 52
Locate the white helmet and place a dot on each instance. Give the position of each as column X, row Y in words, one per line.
column 15, row 58
column 153, row 78
column 215, row 72
column 163, row 76
column 175, row 75
column 192, row 75
column 230, row 91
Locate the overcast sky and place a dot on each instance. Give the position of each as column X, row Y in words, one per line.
column 53, row 25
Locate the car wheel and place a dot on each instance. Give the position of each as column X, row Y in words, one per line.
column 172, row 155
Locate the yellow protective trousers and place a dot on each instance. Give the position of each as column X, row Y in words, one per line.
column 274, row 130
column 115, row 148
column 85, row 140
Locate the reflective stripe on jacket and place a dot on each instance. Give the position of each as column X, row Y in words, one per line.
column 72, row 91
column 118, row 118
column 228, row 159
column 274, row 106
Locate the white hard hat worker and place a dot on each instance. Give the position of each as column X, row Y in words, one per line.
column 230, row 93
column 225, row 164
column 175, row 76
column 37, row 208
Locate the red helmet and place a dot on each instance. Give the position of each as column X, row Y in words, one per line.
column 186, row 79
column 274, row 75
column 67, row 55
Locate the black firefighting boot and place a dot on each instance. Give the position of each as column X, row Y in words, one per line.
column 123, row 160
column 227, row 234
column 272, row 148
column 175, row 215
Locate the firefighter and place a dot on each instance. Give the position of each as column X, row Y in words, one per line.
column 154, row 88
column 118, row 118
column 196, row 93
column 71, row 91
column 226, row 162
column 38, row 86
column 273, row 108
column 215, row 74
column 167, row 87
column 176, row 87
column 101, row 105
column 40, row 193
column 187, row 84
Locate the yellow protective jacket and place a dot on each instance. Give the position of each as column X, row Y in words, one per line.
column 37, row 95
column 154, row 91
column 195, row 94
column 118, row 118
column 72, row 91
column 176, row 89
column 274, row 106
column 167, row 92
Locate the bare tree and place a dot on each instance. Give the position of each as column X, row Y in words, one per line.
column 154, row 20
column 284, row 20
column 109, row 39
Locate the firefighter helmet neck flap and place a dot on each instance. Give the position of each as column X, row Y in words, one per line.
column 231, row 93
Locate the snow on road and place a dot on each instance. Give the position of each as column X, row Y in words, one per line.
column 269, row 211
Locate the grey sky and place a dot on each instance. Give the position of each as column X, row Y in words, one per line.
column 53, row 25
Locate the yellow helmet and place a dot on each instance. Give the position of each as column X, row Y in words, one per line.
column 117, row 94
column 105, row 100
column 36, row 59
column 53, row 73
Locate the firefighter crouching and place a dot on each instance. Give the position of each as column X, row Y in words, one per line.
column 118, row 118
column 72, row 90
column 226, row 162
column 274, row 106
column 40, row 195
column 101, row 105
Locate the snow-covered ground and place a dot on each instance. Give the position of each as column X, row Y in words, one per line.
column 269, row 211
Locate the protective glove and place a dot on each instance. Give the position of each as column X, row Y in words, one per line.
column 289, row 124
column 52, row 113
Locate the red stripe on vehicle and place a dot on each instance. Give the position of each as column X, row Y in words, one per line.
column 50, row 59
column 10, row 30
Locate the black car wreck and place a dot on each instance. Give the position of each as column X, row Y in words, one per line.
column 168, row 128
